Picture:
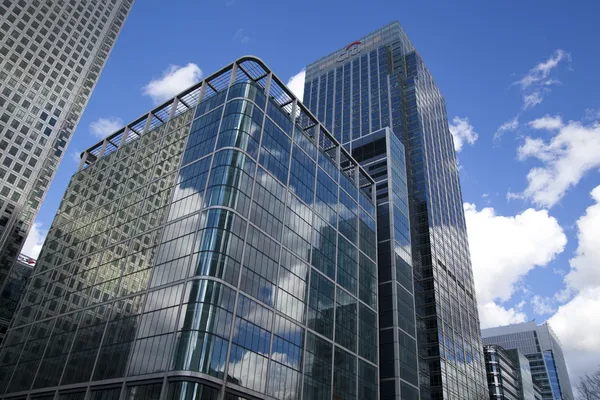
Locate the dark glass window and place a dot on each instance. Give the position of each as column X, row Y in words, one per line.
column 344, row 375
column 320, row 305
column 317, row 372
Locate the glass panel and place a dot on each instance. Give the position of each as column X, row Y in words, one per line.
column 344, row 375
column 145, row 392
column 320, row 304
column 106, row 394
column 318, row 368
column 191, row 391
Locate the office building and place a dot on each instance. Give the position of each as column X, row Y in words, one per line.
column 382, row 155
column 541, row 347
column 220, row 245
column 13, row 290
column 51, row 55
column 509, row 375
column 380, row 81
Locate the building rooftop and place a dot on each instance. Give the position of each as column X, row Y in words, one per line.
column 508, row 329
column 367, row 41
column 247, row 68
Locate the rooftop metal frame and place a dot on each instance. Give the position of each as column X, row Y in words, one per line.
column 244, row 69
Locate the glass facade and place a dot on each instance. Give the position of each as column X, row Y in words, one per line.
column 382, row 155
column 380, row 81
column 219, row 247
column 504, row 374
column 552, row 373
column 13, row 290
column 52, row 54
column 541, row 347
column 529, row 390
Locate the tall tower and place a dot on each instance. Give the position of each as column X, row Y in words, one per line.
column 380, row 81
column 52, row 53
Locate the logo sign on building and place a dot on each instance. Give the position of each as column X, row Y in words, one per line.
column 351, row 50
column 26, row 259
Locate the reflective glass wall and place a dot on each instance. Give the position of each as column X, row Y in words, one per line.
column 382, row 155
column 528, row 389
column 503, row 374
column 380, row 81
column 228, row 251
column 13, row 290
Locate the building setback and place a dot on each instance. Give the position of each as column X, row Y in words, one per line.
column 51, row 56
column 220, row 245
column 380, row 81
column 382, row 155
column 541, row 347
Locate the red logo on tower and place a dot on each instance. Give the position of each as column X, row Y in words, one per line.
column 351, row 50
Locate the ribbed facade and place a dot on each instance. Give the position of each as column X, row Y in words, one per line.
column 503, row 374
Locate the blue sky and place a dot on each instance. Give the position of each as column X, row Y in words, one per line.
column 497, row 62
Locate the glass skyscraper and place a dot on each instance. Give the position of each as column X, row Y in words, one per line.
column 382, row 155
column 540, row 345
column 220, row 246
column 380, row 81
column 51, row 55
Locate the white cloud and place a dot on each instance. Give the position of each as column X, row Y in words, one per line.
column 558, row 271
column 508, row 126
column 102, row 127
column 551, row 82
column 536, row 83
column 540, row 72
column 585, row 267
column 592, row 114
column 486, row 198
column 251, row 371
column 503, row 250
column 565, row 159
column 577, row 322
column 35, row 240
column 547, row 122
column 563, row 295
column 76, row 156
column 462, row 131
column 174, row 80
column 532, row 99
column 542, row 305
column 241, row 36
column 492, row 314
column 296, row 84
